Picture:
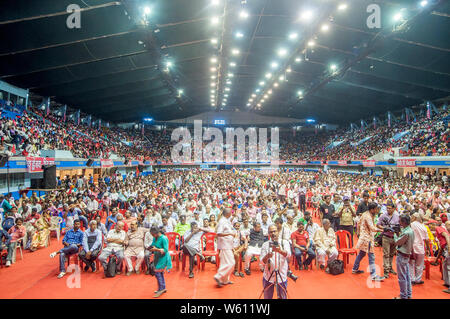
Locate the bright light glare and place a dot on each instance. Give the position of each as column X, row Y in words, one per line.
column 311, row 43
column 281, row 78
column 275, row 84
column 325, row 28
column 169, row 64
column 243, row 14
column 214, row 20
column 235, row 51
column 333, row 67
column 288, row 70
column 213, row 69
column 239, row 35
column 215, row 2
column 293, row 36
column 306, row 15
column 299, row 93
column 214, row 41
column 423, row 3
column 268, row 75
column 298, row 59
column 180, row 92
column 262, row 83
column 398, row 16
column 342, row 6
column 253, row 95
column 147, row 10
column 274, row 65
column 282, row 52
column 213, row 60
column 232, row 64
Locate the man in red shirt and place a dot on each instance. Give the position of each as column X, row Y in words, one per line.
column 301, row 244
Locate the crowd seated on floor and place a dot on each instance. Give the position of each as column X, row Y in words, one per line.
column 310, row 209
column 34, row 131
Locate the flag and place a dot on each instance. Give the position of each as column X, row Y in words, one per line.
column 64, row 112
column 99, row 123
column 374, row 122
column 389, row 119
column 89, row 120
column 293, row 131
column 428, row 110
column 47, row 107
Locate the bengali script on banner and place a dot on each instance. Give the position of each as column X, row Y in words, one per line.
column 406, row 162
column 34, row 164
column 105, row 163
column 369, row 163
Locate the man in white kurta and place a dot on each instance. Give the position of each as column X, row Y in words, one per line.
column 225, row 236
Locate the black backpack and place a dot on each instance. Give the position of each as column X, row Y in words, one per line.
column 111, row 268
column 336, row 267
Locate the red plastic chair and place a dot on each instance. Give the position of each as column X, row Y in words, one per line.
column 294, row 260
column 345, row 247
column 428, row 260
column 172, row 237
column 97, row 262
column 209, row 250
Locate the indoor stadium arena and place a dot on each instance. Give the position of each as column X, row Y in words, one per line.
column 224, row 149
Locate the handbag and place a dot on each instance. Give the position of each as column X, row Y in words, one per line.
column 111, row 267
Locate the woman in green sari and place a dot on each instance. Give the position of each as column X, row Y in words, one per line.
column 162, row 260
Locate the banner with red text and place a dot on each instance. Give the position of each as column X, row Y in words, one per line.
column 34, row 164
column 405, row 162
column 369, row 163
column 105, row 163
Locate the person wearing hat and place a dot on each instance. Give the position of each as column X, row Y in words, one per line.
column 389, row 221
column 346, row 213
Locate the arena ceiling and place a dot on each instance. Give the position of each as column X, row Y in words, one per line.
column 126, row 63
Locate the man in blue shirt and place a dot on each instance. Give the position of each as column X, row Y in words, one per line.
column 72, row 241
column 111, row 219
column 92, row 244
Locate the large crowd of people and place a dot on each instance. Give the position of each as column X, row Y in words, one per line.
column 34, row 131
column 133, row 217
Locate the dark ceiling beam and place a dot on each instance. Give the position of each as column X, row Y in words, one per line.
column 118, row 91
column 75, row 64
column 71, row 42
column 127, row 104
column 384, row 61
column 98, row 83
column 138, row 112
column 61, row 13
column 339, row 26
column 386, row 78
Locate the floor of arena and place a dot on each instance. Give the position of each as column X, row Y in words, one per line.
column 35, row 277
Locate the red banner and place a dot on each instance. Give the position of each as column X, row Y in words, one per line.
column 404, row 162
column 369, row 163
column 34, row 164
column 106, row 163
column 342, row 163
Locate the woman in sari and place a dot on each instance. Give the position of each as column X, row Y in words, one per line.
column 40, row 237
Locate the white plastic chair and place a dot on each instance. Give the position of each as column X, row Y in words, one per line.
column 56, row 225
column 18, row 246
